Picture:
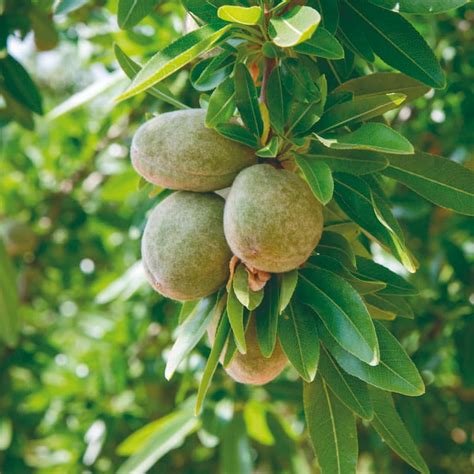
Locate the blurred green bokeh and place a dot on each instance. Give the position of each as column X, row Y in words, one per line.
column 88, row 369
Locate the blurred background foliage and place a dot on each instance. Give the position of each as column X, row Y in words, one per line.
column 87, row 369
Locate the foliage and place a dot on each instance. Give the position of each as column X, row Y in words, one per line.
column 88, row 368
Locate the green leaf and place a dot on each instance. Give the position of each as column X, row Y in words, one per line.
column 396, row 285
column 384, row 83
column 231, row 346
column 355, row 198
column 332, row 429
column 391, row 428
column 266, row 318
column 329, row 10
column 19, row 84
column 247, row 100
column 288, row 282
column 277, row 100
column 250, row 299
column 136, row 441
column 298, row 335
column 9, row 302
column 398, row 43
column 131, row 12
column 384, row 214
column 271, row 149
column 174, row 57
column 191, row 332
column 319, row 177
column 187, row 308
column 437, row 179
column 333, row 265
column 131, row 69
column 350, row 390
column 222, row 333
column 322, row 44
column 235, row 452
column 63, row 7
column 395, row 372
column 359, row 109
column 237, row 133
column 255, row 416
column 240, row 15
column 394, row 304
column 206, row 11
column 354, row 162
column 294, row 27
column 221, row 104
column 169, row 435
column 336, row 246
column 342, row 310
column 235, row 313
column 421, row 7
column 352, row 32
column 373, row 137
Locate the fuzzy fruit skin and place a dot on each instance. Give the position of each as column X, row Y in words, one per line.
column 184, row 251
column 272, row 221
column 175, row 150
column 253, row 368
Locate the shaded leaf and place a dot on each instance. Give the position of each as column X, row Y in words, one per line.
column 342, row 310
column 391, row 428
column 322, row 44
column 332, row 429
column 395, row 372
column 398, row 43
column 350, row 390
column 437, row 179
column 298, row 335
column 266, row 318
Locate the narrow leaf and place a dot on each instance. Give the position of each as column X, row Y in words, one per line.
column 332, row 429
column 222, row 333
column 357, row 110
column 384, row 83
column 168, row 437
column 437, row 179
column 266, row 318
column 298, row 335
column 288, row 282
column 391, row 428
column 174, row 57
column 235, row 313
column 398, row 43
column 350, row 390
column 221, row 104
column 319, row 177
column 191, row 332
column 421, row 7
column 247, row 100
column 354, row 162
column 395, row 372
column 373, row 137
column 131, row 69
column 342, row 310
column 237, row 133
